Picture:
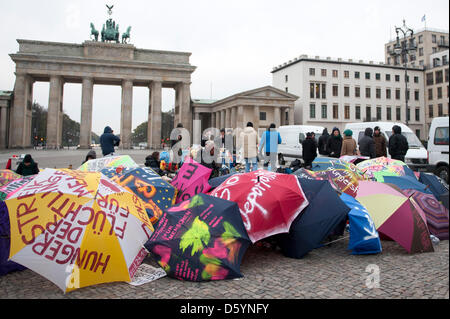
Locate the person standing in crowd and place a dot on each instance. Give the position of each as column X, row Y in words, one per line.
column 309, row 150
column 154, row 163
column 90, row 156
column 367, row 144
column 249, row 143
column 269, row 146
column 27, row 167
column 323, row 142
column 398, row 144
column 348, row 144
column 108, row 141
column 380, row 142
column 334, row 143
column 182, row 143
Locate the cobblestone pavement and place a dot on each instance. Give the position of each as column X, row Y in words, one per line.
column 327, row 272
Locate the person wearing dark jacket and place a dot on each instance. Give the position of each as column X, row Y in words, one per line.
column 309, row 149
column 334, row 143
column 323, row 142
column 27, row 167
column 380, row 142
column 90, row 156
column 108, row 140
column 367, row 145
column 398, row 144
column 153, row 162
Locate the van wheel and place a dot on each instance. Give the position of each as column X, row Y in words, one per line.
column 281, row 159
column 442, row 172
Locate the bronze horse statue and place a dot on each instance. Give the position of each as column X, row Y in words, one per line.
column 94, row 32
column 126, row 35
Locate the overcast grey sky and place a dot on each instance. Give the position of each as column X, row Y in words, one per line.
column 234, row 43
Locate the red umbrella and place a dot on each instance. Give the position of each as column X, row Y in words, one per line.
column 268, row 202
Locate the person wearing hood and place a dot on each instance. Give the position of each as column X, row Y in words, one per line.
column 323, row 142
column 334, row 143
column 348, row 144
column 367, row 144
column 398, row 144
column 380, row 142
column 153, row 161
column 108, row 140
column 90, row 156
column 269, row 141
column 309, row 150
column 27, row 167
column 249, row 143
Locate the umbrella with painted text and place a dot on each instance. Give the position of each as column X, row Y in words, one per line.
column 96, row 165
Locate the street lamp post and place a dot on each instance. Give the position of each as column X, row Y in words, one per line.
column 404, row 50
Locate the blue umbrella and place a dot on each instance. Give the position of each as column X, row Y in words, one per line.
column 323, row 214
column 364, row 238
column 322, row 163
column 407, row 182
column 436, row 186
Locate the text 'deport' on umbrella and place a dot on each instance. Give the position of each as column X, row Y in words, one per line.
column 78, row 228
column 268, row 202
column 396, row 216
column 200, row 239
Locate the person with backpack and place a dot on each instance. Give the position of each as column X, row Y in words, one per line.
column 398, row 144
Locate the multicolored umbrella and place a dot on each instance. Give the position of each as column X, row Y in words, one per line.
column 437, row 215
column 78, row 228
column 200, row 239
column 407, row 182
column 395, row 216
column 355, row 159
column 7, row 176
column 156, row 193
column 379, row 167
column 323, row 214
column 268, row 202
column 191, row 179
column 10, row 188
column 98, row 164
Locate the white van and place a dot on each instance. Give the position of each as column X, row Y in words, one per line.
column 416, row 157
column 292, row 137
column 438, row 147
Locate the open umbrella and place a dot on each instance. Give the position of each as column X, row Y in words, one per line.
column 407, row 182
column 7, row 176
column 395, row 216
column 10, row 188
column 77, row 228
column 200, row 239
column 435, row 185
column 156, row 193
column 364, row 238
column 379, row 167
column 98, row 164
column 355, row 159
column 323, row 214
column 216, row 181
column 191, row 179
column 269, row 202
column 436, row 214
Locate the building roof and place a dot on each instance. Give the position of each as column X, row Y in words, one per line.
column 6, row 93
column 203, row 101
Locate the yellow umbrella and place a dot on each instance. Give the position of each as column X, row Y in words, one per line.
column 78, row 228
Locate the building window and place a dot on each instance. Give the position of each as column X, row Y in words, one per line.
column 312, row 111
column 416, row 79
column 367, row 75
column 420, row 51
column 367, row 92
column 378, row 93
column 433, row 38
column 408, row 114
column 407, row 78
column 335, row 111
column 398, row 114
column 444, row 60
column 446, row 75
column 358, row 112
column 378, row 113
column 262, row 116
column 420, row 38
column 324, row 111
column 286, row 118
column 439, row 92
column 377, row 76
column 335, row 73
column 323, row 72
column 397, row 78
column 430, row 110
column 335, row 90
column 346, row 74
column 347, row 112
column 421, row 62
column 430, row 94
column 434, row 49
column 312, row 71
column 388, row 77
column 440, row 110
column 346, row 91
column 356, row 75
column 407, row 95
column 417, row 115
column 368, row 113
column 430, row 78
column 389, row 61
column 311, row 90
column 416, row 95
column 285, row 78
column 389, row 113
column 439, row 77
column 388, row 94
column 324, row 91
column 397, row 94
column 357, row 91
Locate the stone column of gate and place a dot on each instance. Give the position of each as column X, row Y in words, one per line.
column 291, row 115
column 283, row 116
column 3, row 126
column 256, row 118
column 20, row 130
column 86, row 112
column 185, row 107
column 53, row 140
column 227, row 118
column 126, row 114
column 233, row 117
column 213, row 119
column 277, row 116
column 217, row 124
column 222, row 119
column 155, row 117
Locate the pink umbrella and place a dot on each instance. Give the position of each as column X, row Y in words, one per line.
column 191, row 179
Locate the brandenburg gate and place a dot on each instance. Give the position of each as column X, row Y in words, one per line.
column 94, row 62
